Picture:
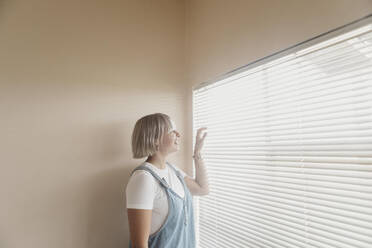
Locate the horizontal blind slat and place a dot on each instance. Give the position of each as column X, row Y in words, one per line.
column 288, row 164
column 289, row 207
column 291, row 194
column 244, row 212
column 363, row 219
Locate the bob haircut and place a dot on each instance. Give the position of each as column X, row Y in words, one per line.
column 148, row 131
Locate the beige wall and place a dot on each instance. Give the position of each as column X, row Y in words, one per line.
column 74, row 78
column 76, row 75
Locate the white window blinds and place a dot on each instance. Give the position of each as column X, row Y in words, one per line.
column 289, row 149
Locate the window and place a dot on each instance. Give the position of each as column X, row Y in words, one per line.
column 289, row 147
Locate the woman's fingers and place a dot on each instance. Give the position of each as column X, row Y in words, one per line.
column 198, row 134
column 200, row 139
column 205, row 135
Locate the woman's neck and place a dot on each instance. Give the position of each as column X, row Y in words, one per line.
column 157, row 161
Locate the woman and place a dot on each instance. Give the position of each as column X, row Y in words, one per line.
column 159, row 195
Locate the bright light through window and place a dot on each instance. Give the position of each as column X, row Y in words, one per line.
column 289, row 149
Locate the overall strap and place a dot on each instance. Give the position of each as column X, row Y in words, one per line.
column 178, row 175
column 161, row 180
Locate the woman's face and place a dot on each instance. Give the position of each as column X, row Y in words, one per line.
column 170, row 142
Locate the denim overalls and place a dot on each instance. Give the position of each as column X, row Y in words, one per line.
column 178, row 230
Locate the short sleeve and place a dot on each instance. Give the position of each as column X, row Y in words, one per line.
column 140, row 190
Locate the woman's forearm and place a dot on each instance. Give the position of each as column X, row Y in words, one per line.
column 201, row 175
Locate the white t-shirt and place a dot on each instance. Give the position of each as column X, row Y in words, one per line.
column 144, row 191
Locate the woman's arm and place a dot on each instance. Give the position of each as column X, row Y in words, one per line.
column 200, row 185
column 140, row 195
column 139, row 226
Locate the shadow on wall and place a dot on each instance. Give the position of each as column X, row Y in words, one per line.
column 94, row 203
column 2, row 6
column 106, row 216
column 106, row 212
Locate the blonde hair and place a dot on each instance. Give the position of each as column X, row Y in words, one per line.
column 148, row 131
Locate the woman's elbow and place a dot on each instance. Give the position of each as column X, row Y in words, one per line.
column 140, row 246
column 204, row 192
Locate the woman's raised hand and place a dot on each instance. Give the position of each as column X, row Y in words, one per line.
column 199, row 142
